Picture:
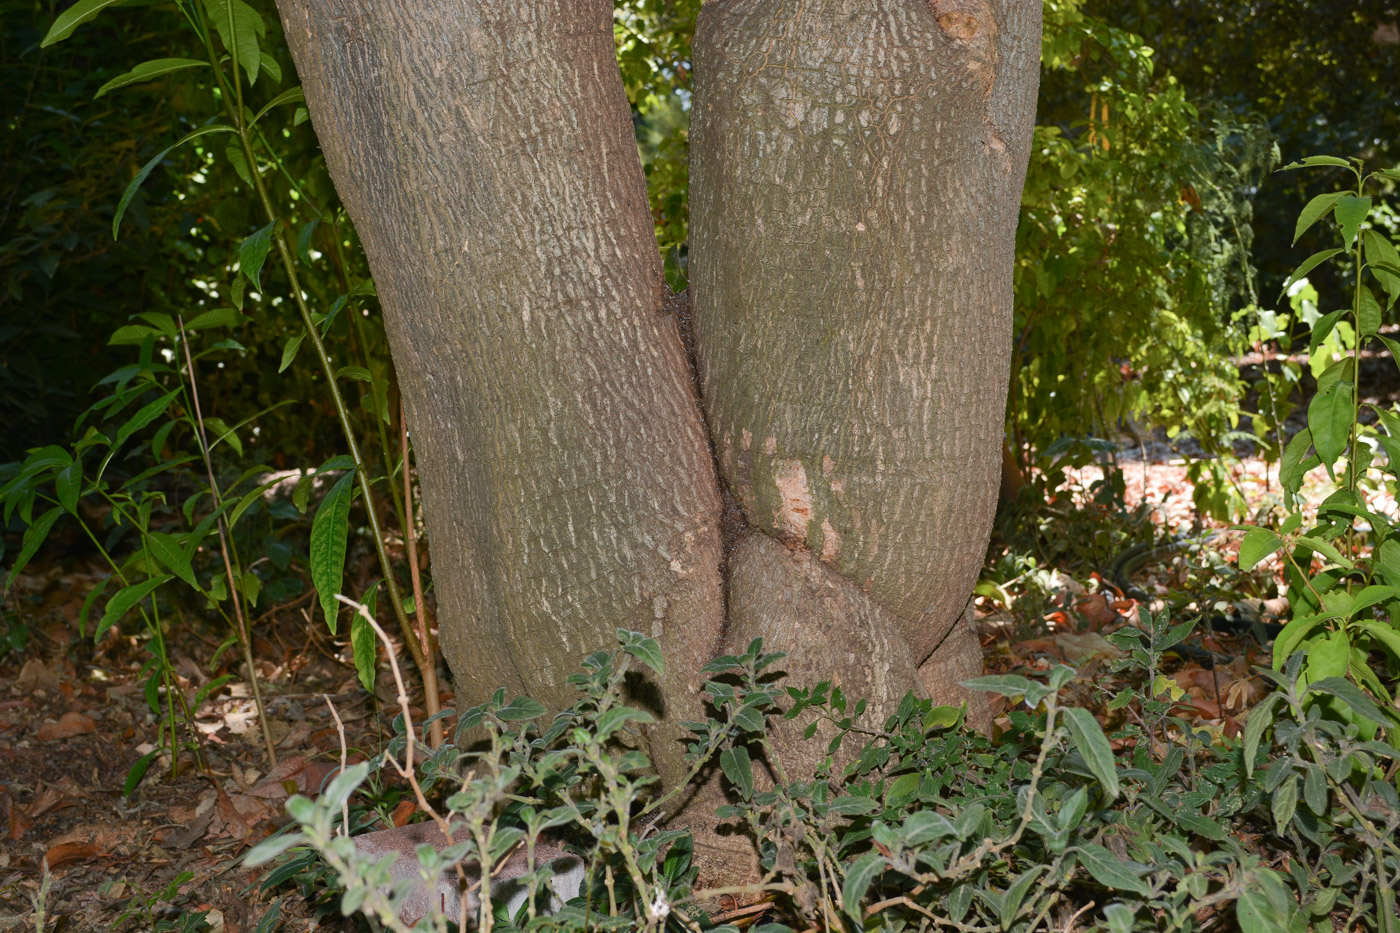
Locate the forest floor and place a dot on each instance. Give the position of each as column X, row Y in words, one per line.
column 74, row 719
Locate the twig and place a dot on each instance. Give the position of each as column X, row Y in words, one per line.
column 344, row 756
column 244, row 636
column 425, row 635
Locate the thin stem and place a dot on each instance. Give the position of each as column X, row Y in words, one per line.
column 410, row 536
column 245, row 637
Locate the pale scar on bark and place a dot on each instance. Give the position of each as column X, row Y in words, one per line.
column 795, row 506
column 972, row 24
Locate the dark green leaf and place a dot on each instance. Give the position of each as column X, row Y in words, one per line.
column 1309, row 215
column 1260, row 718
column 238, row 27
column 138, row 771
column 329, row 531
column 253, row 253
column 166, row 549
column 1093, row 745
column 146, row 170
column 521, row 709
column 859, row 876
column 1285, row 803
column 148, row 70
column 735, row 764
column 1111, row 871
column 68, row 485
column 1329, row 419
column 125, row 599
column 73, row 17
column 1350, row 212
column 290, row 96
column 34, row 536
column 364, row 646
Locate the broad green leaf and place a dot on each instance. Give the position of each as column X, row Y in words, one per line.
column 1285, row 803
column 1009, row 685
column 1327, row 549
column 1109, row 870
column 1093, row 745
column 238, row 26
column 1368, row 313
column 1352, row 696
column 1381, row 633
column 1309, row 264
column 859, row 876
column 1015, row 894
column 166, row 548
column 644, row 649
column 521, row 709
column 1382, row 256
column 1293, row 634
column 218, row 317
column 1291, row 467
column 149, row 70
column 1372, row 595
column 329, row 531
column 125, row 600
column 146, row 170
column 73, row 17
column 233, row 152
column 1330, row 415
column 364, row 645
column 1350, row 212
column 130, row 335
column 925, row 826
column 357, row 373
column 289, row 352
column 292, row 95
column 1258, row 544
column 34, row 537
column 1322, row 328
column 619, row 716
column 1309, row 215
column 138, row 771
column 253, row 253
column 68, row 485
column 735, row 764
column 1314, row 161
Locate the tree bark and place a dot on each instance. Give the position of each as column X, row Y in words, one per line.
column 857, row 169
column 856, row 174
column 486, row 154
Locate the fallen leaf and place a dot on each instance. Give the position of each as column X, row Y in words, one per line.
column 17, row 823
column 1079, row 648
column 1096, row 611
column 35, row 676
column 403, row 812
column 70, row 852
column 69, row 725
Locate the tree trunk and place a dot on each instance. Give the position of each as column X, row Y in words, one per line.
column 857, row 170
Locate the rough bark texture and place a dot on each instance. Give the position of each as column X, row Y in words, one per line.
column 857, row 168
column 486, row 154
column 856, row 172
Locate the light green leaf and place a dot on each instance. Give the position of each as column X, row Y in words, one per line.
column 126, row 599
column 1258, row 544
column 1350, row 212
column 146, row 71
column 1293, row 634
column 643, row 648
column 146, row 170
column 329, row 531
column 1309, row 215
column 73, row 17
column 1093, row 745
column 1326, row 549
column 1328, row 656
column 1260, row 718
column 1111, row 871
column 521, row 709
column 1330, row 415
column 1372, row 595
column 1313, row 161
column 1382, row 633
column 1285, row 802
column 1291, row 469
column 1382, row 257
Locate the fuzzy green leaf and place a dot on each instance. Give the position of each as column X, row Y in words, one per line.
column 1109, row 870
column 1093, row 745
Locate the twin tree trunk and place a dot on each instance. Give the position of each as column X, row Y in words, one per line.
column 807, row 449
